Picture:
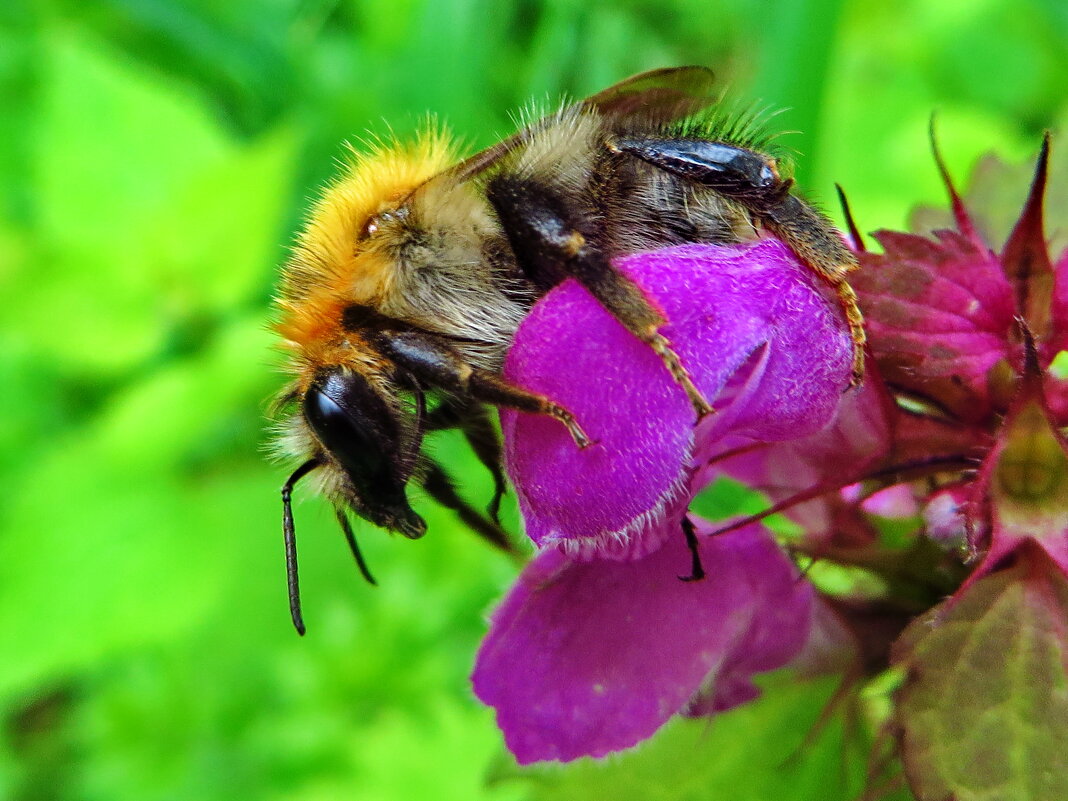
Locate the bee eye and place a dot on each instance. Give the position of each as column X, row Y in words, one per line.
column 356, row 446
column 360, row 432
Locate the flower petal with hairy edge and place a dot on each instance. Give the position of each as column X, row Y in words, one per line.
column 587, row 658
column 750, row 310
column 778, row 629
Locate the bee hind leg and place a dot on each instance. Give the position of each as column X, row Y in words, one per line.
column 550, row 247
column 819, row 245
column 752, row 180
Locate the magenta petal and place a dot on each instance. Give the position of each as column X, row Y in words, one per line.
column 731, row 310
column 858, row 436
column 778, row 629
column 587, row 658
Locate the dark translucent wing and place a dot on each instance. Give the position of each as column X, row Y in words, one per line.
column 663, row 95
column 475, row 164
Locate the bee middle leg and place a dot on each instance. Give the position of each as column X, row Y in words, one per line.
column 440, row 486
column 550, row 246
column 433, row 362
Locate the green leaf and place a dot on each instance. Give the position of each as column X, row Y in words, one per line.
column 235, row 53
column 150, row 223
column 984, row 709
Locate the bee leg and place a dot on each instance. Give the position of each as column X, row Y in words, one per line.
column 752, row 180
column 481, row 436
column 440, row 487
column 819, row 245
column 697, row 570
column 433, row 361
column 350, row 538
column 484, row 440
column 549, row 247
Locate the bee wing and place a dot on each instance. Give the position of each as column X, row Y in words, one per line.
column 662, row 95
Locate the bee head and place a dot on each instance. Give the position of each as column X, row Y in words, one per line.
column 372, row 443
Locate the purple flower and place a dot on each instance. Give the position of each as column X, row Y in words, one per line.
column 760, row 341
column 589, row 657
column 599, row 643
column 945, row 479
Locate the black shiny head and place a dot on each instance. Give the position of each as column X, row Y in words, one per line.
column 365, row 436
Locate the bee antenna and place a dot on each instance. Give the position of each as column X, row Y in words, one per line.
column 290, row 535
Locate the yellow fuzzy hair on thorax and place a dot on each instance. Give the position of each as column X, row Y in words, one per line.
column 327, row 270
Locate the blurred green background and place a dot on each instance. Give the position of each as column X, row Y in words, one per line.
column 155, row 159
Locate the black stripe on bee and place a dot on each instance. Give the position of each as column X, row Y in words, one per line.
column 358, row 317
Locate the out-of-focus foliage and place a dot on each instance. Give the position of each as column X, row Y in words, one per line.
column 155, row 158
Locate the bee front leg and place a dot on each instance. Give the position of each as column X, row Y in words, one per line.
column 440, row 486
column 549, row 247
column 432, row 361
column 474, row 421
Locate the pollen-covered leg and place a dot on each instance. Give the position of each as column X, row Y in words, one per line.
column 752, row 179
column 820, row 246
column 550, row 246
column 491, row 388
column 848, row 300
column 622, row 297
column 434, row 363
column 659, row 343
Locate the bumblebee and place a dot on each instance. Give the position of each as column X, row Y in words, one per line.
column 415, row 270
